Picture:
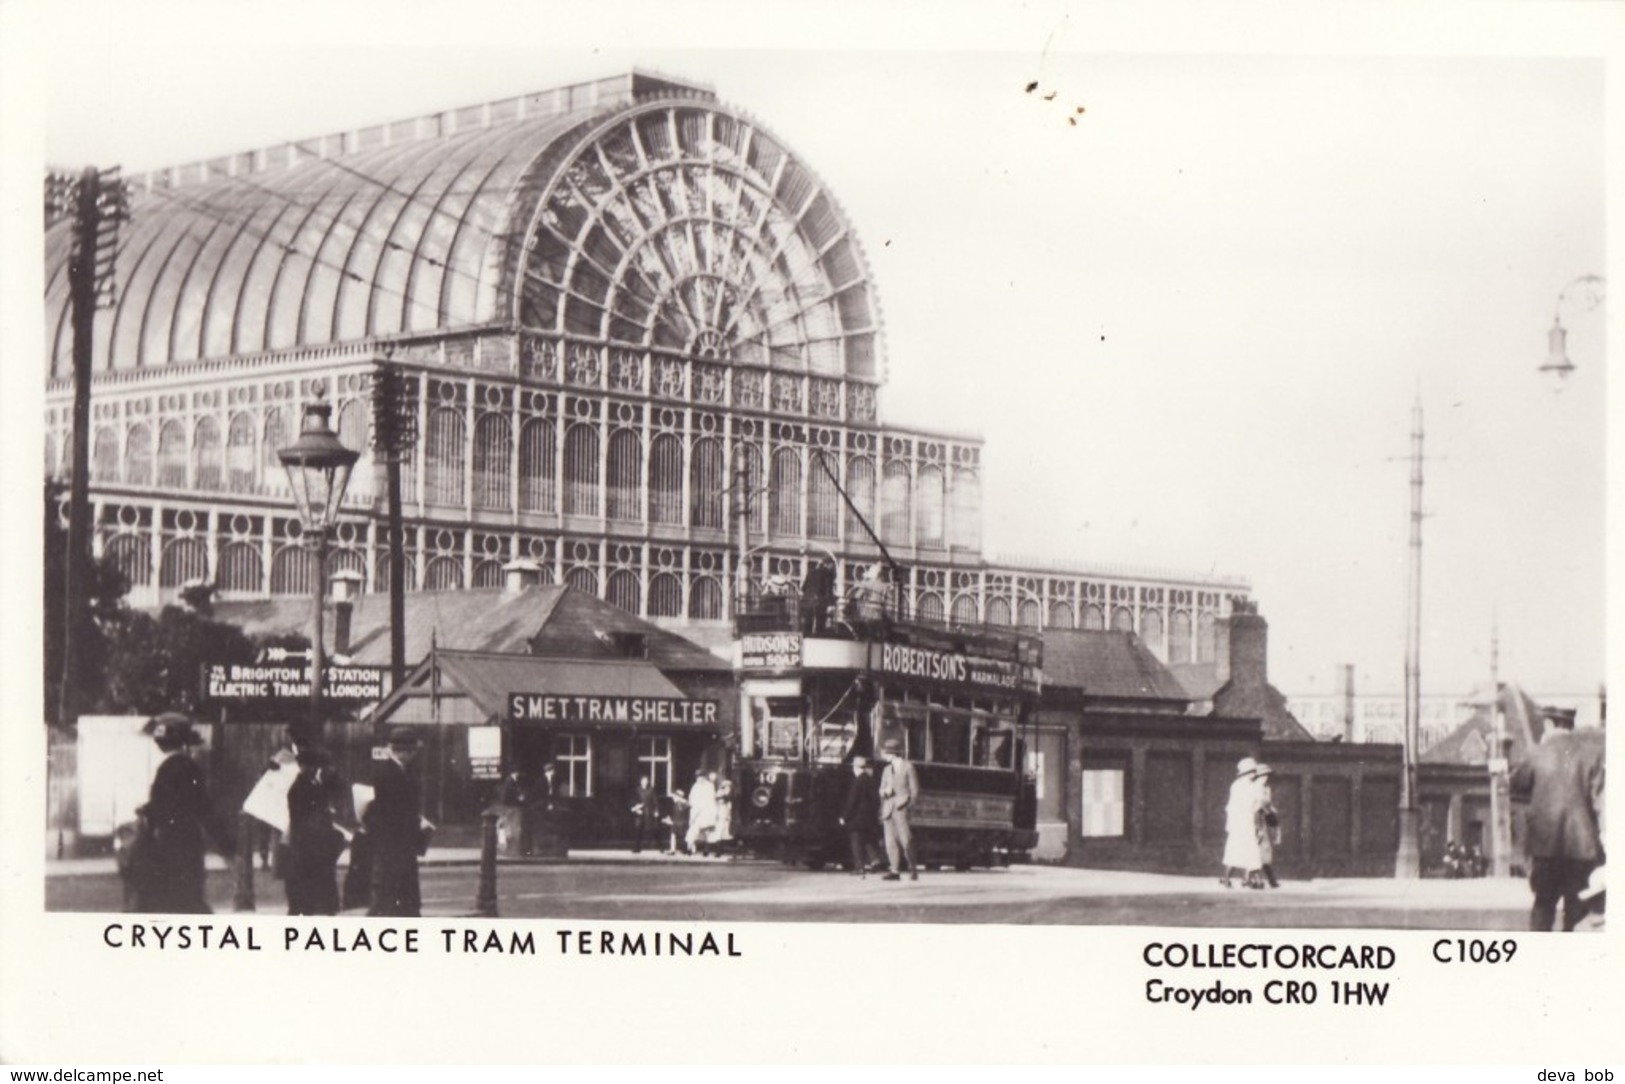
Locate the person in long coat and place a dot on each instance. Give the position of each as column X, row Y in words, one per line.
column 860, row 815
column 1241, row 853
column 1562, row 780
column 899, row 790
column 645, row 814
column 394, row 826
column 167, row 870
column 314, row 841
column 1268, row 827
column 702, row 813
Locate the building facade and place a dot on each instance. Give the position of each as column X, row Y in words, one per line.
column 640, row 338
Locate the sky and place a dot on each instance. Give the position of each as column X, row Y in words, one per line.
column 1187, row 288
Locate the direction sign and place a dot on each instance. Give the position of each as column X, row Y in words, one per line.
column 273, row 683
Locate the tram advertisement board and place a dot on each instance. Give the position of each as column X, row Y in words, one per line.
column 770, row 651
column 952, row 668
column 564, row 708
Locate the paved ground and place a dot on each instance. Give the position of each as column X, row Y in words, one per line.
column 617, row 886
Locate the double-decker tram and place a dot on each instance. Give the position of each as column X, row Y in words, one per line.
column 822, row 682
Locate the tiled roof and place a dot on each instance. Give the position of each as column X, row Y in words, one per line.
column 1199, row 679
column 547, row 619
column 489, row 679
column 1474, row 740
column 1107, row 665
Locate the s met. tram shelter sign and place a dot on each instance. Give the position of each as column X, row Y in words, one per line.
column 637, row 710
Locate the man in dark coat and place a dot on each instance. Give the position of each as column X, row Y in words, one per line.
column 1562, row 780
column 314, row 841
column 168, row 869
column 394, row 826
column 860, row 815
column 645, row 815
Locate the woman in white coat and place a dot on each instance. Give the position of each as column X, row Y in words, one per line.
column 702, row 813
column 1241, row 852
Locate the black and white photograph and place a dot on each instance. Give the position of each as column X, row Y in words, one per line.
column 647, row 494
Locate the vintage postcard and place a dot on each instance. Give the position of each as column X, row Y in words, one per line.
column 1070, row 531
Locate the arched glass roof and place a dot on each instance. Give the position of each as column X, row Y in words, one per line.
column 666, row 222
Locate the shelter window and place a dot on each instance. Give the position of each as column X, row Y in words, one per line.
column 1103, row 802
column 654, row 763
column 574, row 756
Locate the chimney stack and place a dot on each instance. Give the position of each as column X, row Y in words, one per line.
column 1244, row 642
column 346, row 587
column 520, row 575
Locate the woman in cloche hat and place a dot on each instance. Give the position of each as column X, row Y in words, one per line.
column 1240, row 824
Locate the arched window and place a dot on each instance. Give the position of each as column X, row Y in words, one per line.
column 493, row 451
column 967, row 509
column 240, row 453
column 998, row 611
column 965, row 610
column 665, row 595
column 131, row 554
column 207, row 455
column 860, row 486
column 894, row 503
column 705, row 599
column 1204, row 638
column 748, row 458
column 183, row 559
column 582, row 579
column 823, row 502
column 1151, row 632
column 625, row 476
column 785, row 490
column 352, row 430
column 50, row 455
column 706, row 484
column 1031, row 614
column 381, row 580
column 443, row 573
column 1060, row 614
column 624, row 591
column 929, row 607
column 1179, row 637
column 241, row 568
column 443, row 457
column 104, row 459
column 276, row 438
column 290, row 571
column 928, row 505
column 666, row 479
column 488, row 574
column 581, row 472
column 1094, row 618
column 138, row 455
column 1122, row 619
column 536, row 467
column 172, row 455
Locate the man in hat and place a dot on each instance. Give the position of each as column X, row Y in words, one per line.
column 394, row 825
column 1562, row 780
column 1241, row 853
column 168, row 875
column 899, row 788
column 861, row 814
column 314, row 841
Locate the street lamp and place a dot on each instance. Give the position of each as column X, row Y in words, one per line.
column 318, row 469
column 1587, row 291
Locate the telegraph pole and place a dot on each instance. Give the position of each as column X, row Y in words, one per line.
column 1408, row 859
column 394, row 432
column 98, row 202
column 1500, row 793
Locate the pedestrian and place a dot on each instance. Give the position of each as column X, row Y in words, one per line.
column 1562, row 780
column 166, row 863
column 645, row 815
column 395, row 830
column 702, row 813
column 1269, row 828
column 723, row 833
column 1241, row 854
column 547, row 788
column 678, row 822
column 314, row 841
column 860, row 814
column 899, row 790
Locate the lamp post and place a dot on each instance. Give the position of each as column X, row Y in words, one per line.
column 1586, row 291
column 318, row 469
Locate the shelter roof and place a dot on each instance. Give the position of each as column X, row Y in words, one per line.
column 1107, row 665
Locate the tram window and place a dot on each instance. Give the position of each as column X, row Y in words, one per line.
column 777, row 722
column 994, row 747
column 950, row 739
column 835, row 737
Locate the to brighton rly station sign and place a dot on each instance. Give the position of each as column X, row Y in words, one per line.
column 273, row 682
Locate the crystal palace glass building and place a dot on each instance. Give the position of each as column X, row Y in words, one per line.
column 610, row 299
